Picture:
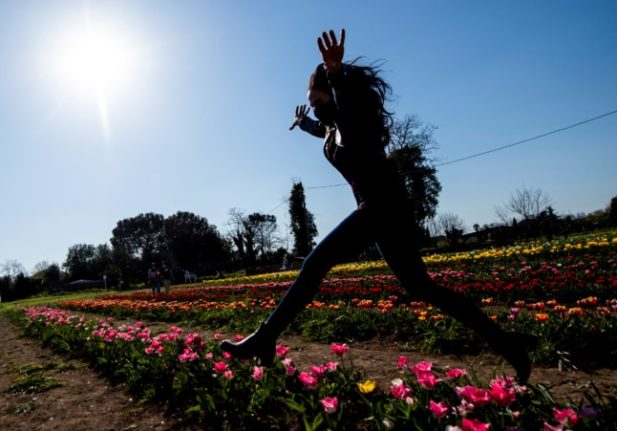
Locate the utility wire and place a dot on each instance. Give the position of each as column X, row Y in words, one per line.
column 571, row 126
column 589, row 120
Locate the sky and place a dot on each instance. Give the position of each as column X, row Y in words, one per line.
column 109, row 109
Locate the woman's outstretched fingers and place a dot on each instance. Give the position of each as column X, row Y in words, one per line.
column 327, row 40
column 331, row 50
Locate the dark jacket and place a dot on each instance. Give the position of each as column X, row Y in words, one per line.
column 354, row 147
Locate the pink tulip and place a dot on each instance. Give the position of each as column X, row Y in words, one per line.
column 219, row 367
column 503, row 396
column 475, row 425
column 427, row 380
column 228, row 374
column 281, row 350
column 455, row 373
column 308, row 380
column 318, row 371
column 258, row 373
column 187, row 356
column 438, row 409
column 218, row 336
column 400, row 391
column 339, row 349
column 175, row 330
column 329, row 404
column 475, row 395
column 422, row 367
column 566, row 417
column 331, row 366
column 402, row 362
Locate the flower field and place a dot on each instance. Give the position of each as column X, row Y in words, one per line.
column 564, row 292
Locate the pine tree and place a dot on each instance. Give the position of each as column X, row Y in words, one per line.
column 612, row 215
column 302, row 221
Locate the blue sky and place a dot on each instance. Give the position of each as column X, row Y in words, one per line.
column 196, row 116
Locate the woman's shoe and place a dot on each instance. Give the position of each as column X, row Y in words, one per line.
column 515, row 348
column 260, row 344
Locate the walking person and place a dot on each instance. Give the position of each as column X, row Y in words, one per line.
column 154, row 279
column 166, row 276
column 349, row 103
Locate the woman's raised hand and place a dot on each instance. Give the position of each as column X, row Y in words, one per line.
column 301, row 112
column 331, row 50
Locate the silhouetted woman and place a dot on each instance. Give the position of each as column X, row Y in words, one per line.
column 348, row 100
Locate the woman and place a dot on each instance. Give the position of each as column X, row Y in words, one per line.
column 348, row 100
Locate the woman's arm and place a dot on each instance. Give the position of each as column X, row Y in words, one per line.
column 301, row 119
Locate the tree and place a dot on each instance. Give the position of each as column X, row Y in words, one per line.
column 194, row 244
column 302, row 221
column 612, row 212
column 80, row 262
column 452, row 226
column 252, row 235
column 410, row 145
column 263, row 228
column 49, row 274
column 12, row 268
column 137, row 242
column 526, row 202
column 237, row 237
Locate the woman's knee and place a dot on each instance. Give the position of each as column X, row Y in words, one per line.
column 315, row 266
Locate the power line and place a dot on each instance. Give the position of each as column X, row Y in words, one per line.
column 589, row 120
column 328, row 186
column 552, row 132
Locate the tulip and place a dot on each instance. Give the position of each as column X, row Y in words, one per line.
column 329, row 404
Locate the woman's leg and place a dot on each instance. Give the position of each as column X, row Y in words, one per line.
column 398, row 248
column 348, row 239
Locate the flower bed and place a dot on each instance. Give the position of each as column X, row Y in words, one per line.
column 222, row 392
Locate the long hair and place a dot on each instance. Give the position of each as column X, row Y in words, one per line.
column 366, row 83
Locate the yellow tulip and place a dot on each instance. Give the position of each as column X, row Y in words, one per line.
column 367, row 387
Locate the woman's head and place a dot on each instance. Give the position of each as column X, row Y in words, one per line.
column 320, row 96
column 364, row 85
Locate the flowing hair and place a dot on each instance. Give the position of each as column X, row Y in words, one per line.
column 366, row 82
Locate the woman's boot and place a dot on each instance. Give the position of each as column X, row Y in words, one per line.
column 515, row 348
column 261, row 344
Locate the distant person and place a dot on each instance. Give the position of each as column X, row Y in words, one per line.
column 166, row 276
column 348, row 101
column 154, row 279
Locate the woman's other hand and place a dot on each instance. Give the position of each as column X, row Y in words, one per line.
column 301, row 112
column 331, row 50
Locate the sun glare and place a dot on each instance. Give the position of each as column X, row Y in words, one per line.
column 91, row 57
column 95, row 62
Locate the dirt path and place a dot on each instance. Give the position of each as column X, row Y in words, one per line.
column 85, row 401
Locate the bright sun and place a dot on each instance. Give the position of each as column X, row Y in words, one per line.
column 95, row 62
column 94, row 57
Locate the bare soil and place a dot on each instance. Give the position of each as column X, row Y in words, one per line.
column 86, row 401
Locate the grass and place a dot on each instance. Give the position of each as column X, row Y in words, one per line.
column 34, row 378
column 53, row 299
column 34, row 382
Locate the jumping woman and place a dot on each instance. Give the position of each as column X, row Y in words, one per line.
column 349, row 103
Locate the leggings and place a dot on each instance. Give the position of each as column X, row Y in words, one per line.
column 396, row 241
